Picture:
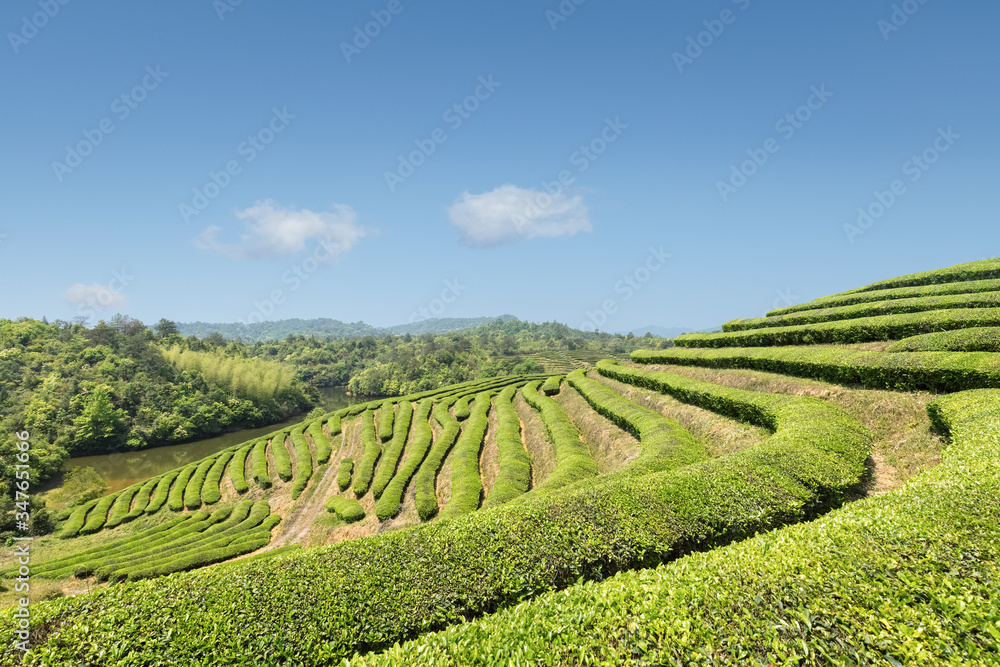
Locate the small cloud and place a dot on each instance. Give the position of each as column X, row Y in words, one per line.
column 95, row 297
column 278, row 231
column 510, row 213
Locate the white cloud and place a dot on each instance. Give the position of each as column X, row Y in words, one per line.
column 510, row 213
column 277, row 231
column 96, row 297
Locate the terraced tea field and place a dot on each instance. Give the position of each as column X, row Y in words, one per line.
column 819, row 486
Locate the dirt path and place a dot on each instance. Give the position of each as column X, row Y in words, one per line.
column 489, row 456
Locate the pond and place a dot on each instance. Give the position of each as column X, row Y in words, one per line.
column 126, row 468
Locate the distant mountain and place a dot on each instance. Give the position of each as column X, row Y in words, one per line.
column 328, row 328
column 437, row 325
column 660, row 332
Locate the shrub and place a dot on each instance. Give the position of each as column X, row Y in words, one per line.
column 322, row 443
column 344, row 472
column 211, row 493
column 851, row 298
column 466, row 480
column 386, row 417
column 192, row 493
column 860, row 330
column 76, row 520
column 334, row 425
column 394, row 451
column 391, row 500
column 984, row 269
column 892, row 307
column 551, row 385
column 97, row 517
column 258, row 463
column 303, row 462
column 347, row 510
column 514, row 477
column 665, row 445
column 175, row 500
column 238, row 468
column 282, row 459
column 122, row 505
column 372, row 451
column 934, row 371
column 406, row 582
column 159, row 497
column 426, row 482
column 462, row 410
column 977, row 339
column 142, row 499
column 573, row 459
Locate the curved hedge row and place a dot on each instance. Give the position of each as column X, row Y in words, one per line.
column 333, row 425
column 324, row 448
column 984, row 269
column 238, row 468
column 76, row 520
column 462, row 409
column 551, row 385
column 303, row 462
column 391, row 500
column 405, row 582
column 573, row 459
column 860, row 330
column 905, row 578
column 466, row 479
column 665, row 445
column 282, row 459
column 902, row 578
column 120, row 508
column 977, row 339
column 175, row 499
column 933, row 371
column 258, row 465
column 514, row 477
column 387, row 417
column 426, row 483
column 160, row 493
column 192, row 493
column 394, row 451
column 851, row 298
column 893, row 307
column 372, row 451
column 142, row 499
column 344, row 472
column 347, row 510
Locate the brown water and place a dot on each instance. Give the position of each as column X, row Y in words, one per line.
column 126, row 468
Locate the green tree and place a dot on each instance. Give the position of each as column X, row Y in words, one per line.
column 100, row 424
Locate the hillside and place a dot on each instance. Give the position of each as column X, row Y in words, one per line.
column 818, row 486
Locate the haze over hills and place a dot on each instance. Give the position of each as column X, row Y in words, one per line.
column 331, row 328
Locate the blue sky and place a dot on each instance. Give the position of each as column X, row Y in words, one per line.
column 736, row 136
